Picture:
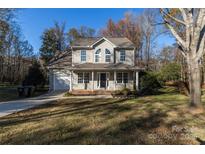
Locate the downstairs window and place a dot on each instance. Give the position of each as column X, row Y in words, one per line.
column 122, row 77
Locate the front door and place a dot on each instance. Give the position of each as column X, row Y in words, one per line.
column 103, row 80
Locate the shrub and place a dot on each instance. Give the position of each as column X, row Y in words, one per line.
column 125, row 91
column 116, row 93
column 35, row 76
column 149, row 84
column 169, row 72
column 183, row 88
column 67, row 94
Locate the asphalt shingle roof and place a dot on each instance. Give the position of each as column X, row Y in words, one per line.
column 121, row 42
column 103, row 66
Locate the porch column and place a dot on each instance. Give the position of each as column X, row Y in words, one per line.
column 71, row 80
column 92, row 80
column 114, row 80
column 137, row 80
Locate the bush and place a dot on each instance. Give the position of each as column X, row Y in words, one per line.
column 125, row 92
column 67, row 94
column 35, row 76
column 116, row 93
column 169, row 72
column 149, row 84
column 183, row 88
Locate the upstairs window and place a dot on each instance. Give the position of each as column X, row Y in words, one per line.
column 107, row 55
column 83, row 55
column 122, row 55
column 97, row 55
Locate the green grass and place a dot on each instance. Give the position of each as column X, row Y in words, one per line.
column 159, row 119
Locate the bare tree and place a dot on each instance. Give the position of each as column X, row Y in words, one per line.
column 150, row 32
column 128, row 27
column 15, row 52
column 188, row 27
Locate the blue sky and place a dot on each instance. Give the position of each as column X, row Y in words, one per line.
column 34, row 21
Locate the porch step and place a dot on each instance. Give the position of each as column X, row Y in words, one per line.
column 90, row 92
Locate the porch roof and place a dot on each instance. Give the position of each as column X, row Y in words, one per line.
column 104, row 66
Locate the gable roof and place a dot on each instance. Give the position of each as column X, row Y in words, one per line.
column 120, row 42
column 84, row 42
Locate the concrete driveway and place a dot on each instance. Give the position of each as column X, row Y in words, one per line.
column 19, row 105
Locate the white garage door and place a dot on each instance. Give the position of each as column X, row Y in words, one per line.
column 61, row 80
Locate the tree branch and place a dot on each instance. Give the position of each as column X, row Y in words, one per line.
column 184, row 15
column 200, row 18
column 200, row 44
column 173, row 18
column 179, row 39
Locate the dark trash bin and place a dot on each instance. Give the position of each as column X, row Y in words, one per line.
column 25, row 91
column 29, row 91
column 20, row 91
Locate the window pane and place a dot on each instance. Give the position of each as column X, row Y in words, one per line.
column 96, row 58
column 107, row 55
column 80, row 77
column 119, row 77
column 83, row 55
column 86, row 77
column 98, row 51
column 107, row 58
column 125, row 77
column 97, row 55
column 122, row 55
column 107, row 51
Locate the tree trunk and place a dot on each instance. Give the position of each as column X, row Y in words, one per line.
column 195, row 84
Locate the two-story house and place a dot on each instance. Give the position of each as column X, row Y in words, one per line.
column 95, row 64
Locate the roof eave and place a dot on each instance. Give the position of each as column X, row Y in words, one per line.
column 101, row 40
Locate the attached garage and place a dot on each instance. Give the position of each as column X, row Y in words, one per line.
column 60, row 79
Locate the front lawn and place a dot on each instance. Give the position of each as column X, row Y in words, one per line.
column 160, row 119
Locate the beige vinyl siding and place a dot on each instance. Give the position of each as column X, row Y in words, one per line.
column 129, row 56
column 91, row 53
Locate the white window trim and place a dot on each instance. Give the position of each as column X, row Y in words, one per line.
column 107, row 55
column 107, row 80
column 84, row 78
column 98, row 55
column 122, row 77
column 120, row 55
column 81, row 56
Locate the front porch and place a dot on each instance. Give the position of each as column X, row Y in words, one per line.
column 102, row 81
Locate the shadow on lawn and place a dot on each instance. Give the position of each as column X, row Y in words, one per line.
column 132, row 128
column 78, row 106
column 202, row 142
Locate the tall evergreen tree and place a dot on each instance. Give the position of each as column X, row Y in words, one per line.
column 53, row 40
column 49, row 45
